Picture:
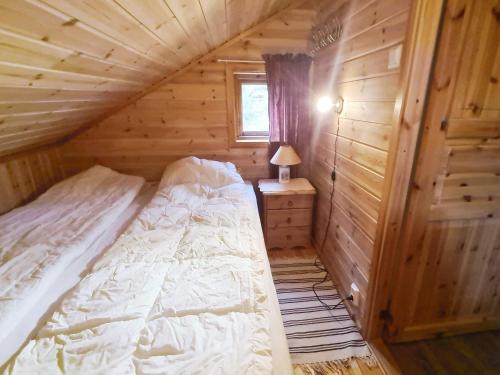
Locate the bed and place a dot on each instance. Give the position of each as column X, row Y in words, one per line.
column 187, row 289
column 47, row 244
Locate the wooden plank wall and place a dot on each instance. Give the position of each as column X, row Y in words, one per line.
column 187, row 116
column 357, row 68
column 65, row 63
column 25, row 176
column 449, row 268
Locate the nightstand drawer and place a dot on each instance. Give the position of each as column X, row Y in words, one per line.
column 288, row 237
column 289, row 218
column 279, row 202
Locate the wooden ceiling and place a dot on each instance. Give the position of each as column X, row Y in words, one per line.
column 64, row 63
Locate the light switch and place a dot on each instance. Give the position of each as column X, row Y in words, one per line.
column 395, row 57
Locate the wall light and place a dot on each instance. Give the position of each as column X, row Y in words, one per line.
column 324, row 104
column 339, row 104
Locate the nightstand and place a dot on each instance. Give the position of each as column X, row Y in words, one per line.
column 287, row 212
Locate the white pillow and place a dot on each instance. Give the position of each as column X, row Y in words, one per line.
column 191, row 170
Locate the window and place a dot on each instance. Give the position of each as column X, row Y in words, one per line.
column 248, row 106
column 254, row 116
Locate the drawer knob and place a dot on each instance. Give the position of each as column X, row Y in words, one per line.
column 289, row 220
column 290, row 203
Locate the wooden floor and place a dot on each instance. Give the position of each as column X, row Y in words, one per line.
column 477, row 353
column 291, row 253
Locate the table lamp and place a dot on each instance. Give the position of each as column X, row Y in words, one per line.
column 284, row 157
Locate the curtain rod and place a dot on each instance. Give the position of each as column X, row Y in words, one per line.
column 241, row 61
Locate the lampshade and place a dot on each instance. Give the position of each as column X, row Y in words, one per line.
column 285, row 156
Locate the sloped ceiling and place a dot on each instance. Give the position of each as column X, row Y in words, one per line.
column 64, row 63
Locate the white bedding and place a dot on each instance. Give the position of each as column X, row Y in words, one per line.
column 39, row 241
column 185, row 290
column 31, row 322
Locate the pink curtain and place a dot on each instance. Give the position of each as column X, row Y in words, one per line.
column 288, row 81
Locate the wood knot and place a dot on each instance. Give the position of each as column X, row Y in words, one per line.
column 71, row 22
column 474, row 108
column 444, row 85
column 496, row 13
column 459, row 14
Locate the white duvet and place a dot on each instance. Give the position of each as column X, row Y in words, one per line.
column 180, row 292
column 39, row 240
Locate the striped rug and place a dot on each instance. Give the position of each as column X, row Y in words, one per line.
column 314, row 333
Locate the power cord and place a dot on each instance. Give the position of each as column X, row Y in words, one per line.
column 332, row 193
column 334, row 175
column 326, row 305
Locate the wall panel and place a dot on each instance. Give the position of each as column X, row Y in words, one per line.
column 25, row 176
column 187, row 116
column 356, row 68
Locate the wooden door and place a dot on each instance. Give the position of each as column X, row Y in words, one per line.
column 448, row 273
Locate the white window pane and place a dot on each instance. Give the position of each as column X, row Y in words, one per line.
column 255, row 117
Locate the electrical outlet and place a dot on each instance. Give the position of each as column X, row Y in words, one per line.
column 355, row 294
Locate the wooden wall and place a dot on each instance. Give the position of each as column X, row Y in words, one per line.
column 188, row 115
column 65, row 63
column 356, row 68
column 26, row 175
column 448, row 272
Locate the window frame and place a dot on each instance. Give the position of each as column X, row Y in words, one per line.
column 236, row 75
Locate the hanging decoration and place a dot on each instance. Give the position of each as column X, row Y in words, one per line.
column 324, row 33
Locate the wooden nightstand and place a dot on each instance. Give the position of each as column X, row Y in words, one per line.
column 287, row 212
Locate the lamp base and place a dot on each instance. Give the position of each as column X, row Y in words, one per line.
column 284, row 174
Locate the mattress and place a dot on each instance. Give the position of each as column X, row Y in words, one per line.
column 41, row 240
column 185, row 290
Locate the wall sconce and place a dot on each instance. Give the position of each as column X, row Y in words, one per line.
column 339, row 105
